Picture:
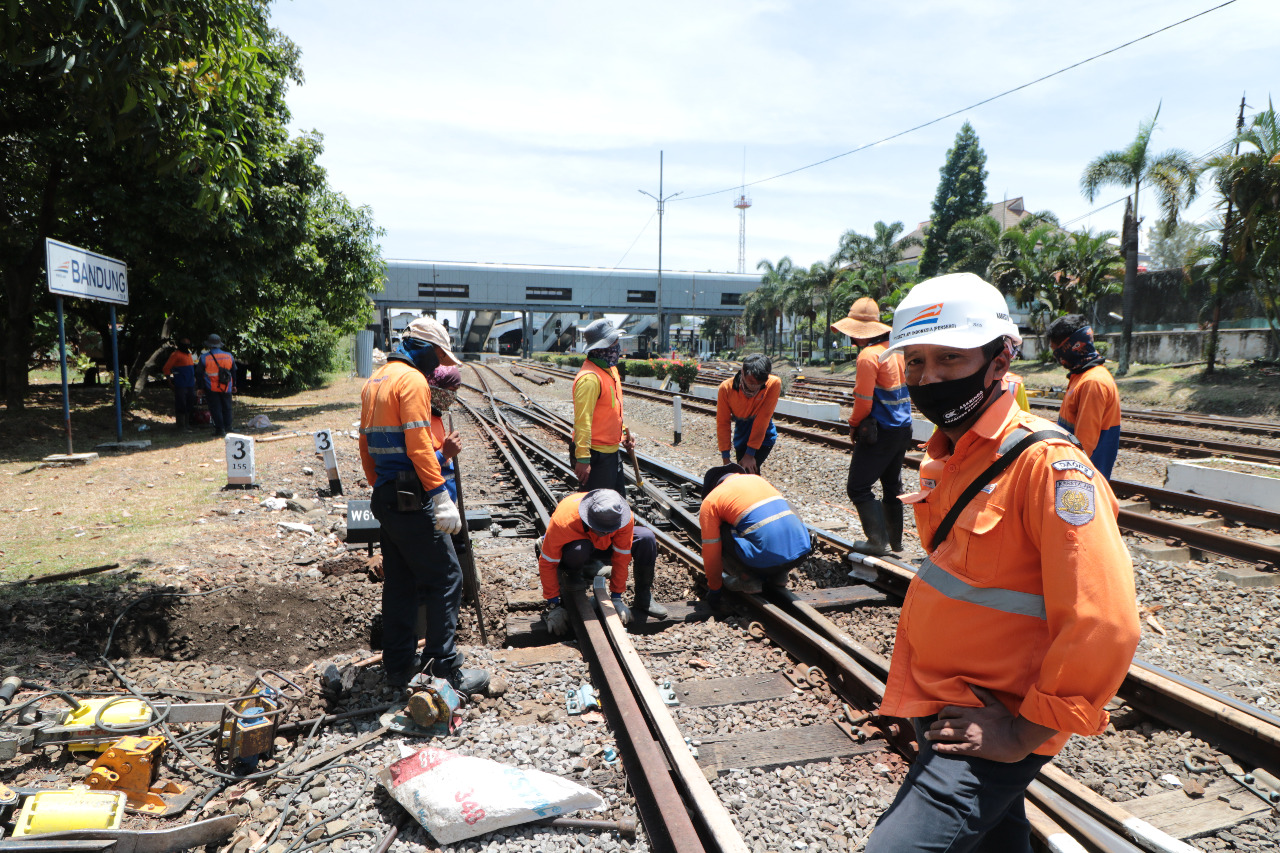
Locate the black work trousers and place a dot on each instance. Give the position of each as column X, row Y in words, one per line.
column 418, row 564
column 880, row 461
column 606, row 473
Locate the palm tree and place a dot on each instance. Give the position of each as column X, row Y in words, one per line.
column 880, row 252
column 1173, row 176
column 980, row 239
column 765, row 303
column 1027, row 267
column 1089, row 266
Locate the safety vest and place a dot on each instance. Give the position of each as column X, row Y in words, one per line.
column 213, row 361
column 606, row 418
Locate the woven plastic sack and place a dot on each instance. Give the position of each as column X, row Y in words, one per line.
column 456, row 796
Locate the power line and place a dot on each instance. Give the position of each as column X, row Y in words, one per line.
column 983, row 102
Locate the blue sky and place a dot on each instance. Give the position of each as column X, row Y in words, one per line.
column 520, row 132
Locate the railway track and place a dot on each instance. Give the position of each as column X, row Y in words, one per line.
column 1247, row 548
column 1063, row 810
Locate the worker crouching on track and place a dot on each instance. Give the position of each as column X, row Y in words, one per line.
column 750, row 534
column 589, row 531
column 1021, row 624
column 879, row 427
column 1091, row 408
column 746, row 401
column 416, row 513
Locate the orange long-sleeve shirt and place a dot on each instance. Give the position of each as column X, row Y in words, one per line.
column 566, row 526
column 1091, row 411
column 395, row 427
column 765, row 525
column 734, row 405
column 1032, row 594
column 880, row 388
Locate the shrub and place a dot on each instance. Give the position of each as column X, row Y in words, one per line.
column 684, row 372
column 573, row 360
column 1103, row 348
column 542, row 356
column 661, row 367
column 637, row 367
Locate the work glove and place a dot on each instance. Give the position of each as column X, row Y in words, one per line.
column 600, row 569
column 447, row 518
column 624, row 612
column 556, row 617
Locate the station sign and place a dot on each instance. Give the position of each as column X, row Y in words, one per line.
column 78, row 272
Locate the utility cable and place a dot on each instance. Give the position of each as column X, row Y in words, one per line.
column 972, row 106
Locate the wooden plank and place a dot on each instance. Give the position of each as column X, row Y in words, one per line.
column 1225, row 803
column 778, row 747
column 553, row 653
column 528, row 629
column 729, row 691
column 841, row 597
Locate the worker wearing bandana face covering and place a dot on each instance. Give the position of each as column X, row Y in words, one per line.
column 744, row 404
column 444, row 382
column 1091, row 407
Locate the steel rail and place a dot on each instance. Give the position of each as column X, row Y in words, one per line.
column 1222, row 544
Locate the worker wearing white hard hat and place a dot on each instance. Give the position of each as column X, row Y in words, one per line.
column 1020, row 625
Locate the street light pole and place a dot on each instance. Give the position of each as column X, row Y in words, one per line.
column 663, row 341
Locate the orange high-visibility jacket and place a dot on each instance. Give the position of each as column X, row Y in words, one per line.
column 597, row 410
column 566, row 526
column 756, row 413
column 395, row 427
column 1091, row 411
column 880, row 389
column 1032, row 594
column 767, row 529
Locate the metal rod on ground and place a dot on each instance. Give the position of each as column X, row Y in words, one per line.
column 677, row 405
column 470, row 572
column 330, row 719
column 625, row 826
column 1055, row 838
column 1077, row 821
column 66, row 393
column 115, row 375
column 1146, row 835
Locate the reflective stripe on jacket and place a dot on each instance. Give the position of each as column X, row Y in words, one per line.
column 751, row 417
column 566, row 526
column 1091, row 412
column 880, row 389
column 1032, row 594
column 395, row 427
column 213, row 361
column 766, row 530
column 597, row 410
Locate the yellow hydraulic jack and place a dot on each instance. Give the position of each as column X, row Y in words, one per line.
column 132, row 765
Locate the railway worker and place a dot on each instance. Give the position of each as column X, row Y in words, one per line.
column 589, row 530
column 217, row 376
column 444, row 382
column 180, row 371
column 599, row 437
column 1091, row 408
column 416, row 513
column 750, row 534
column 879, row 427
column 747, row 400
column 1021, row 624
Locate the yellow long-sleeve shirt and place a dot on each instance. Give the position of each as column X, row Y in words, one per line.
column 586, row 393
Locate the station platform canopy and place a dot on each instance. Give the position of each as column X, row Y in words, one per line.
column 439, row 285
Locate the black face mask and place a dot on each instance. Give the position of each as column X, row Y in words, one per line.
column 950, row 403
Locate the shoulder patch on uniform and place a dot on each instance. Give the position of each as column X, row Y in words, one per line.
column 928, row 484
column 1073, row 465
column 1073, row 501
column 989, row 488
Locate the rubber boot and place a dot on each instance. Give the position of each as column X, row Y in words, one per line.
column 643, row 601
column 179, row 422
column 893, row 524
column 871, row 514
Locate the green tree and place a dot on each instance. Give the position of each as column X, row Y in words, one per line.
column 1174, row 177
column 764, row 305
column 962, row 194
column 1249, row 182
column 876, row 255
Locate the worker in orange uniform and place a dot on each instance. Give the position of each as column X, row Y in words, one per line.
column 1091, row 407
column 587, row 531
column 750, row 534
column 414, row 509
column 218, row 378
column 879, row 427
column 1019, row 627
column 180, row 371
column 746, row 402
column 599, row 437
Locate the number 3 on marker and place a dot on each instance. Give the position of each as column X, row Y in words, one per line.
column 239, row 452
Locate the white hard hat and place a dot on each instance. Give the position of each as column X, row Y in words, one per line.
column 957, row 310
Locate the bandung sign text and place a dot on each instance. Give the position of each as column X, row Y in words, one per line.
column 76, row 272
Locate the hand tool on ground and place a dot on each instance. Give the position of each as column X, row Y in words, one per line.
column 215, row 830
column 132, row 765
column 470, row 572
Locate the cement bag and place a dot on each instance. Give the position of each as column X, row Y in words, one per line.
column 455, row 796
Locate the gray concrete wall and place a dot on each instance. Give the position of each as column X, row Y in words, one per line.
column 1176, row 347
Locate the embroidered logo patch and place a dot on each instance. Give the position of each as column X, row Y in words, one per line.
column 989, row 488
column 1073, row 501
column 928, row 484
column 1073, row 465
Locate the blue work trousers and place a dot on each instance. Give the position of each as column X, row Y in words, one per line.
column 219, row 410
column 418, row 564
column 950, row 804
column 184, row 399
